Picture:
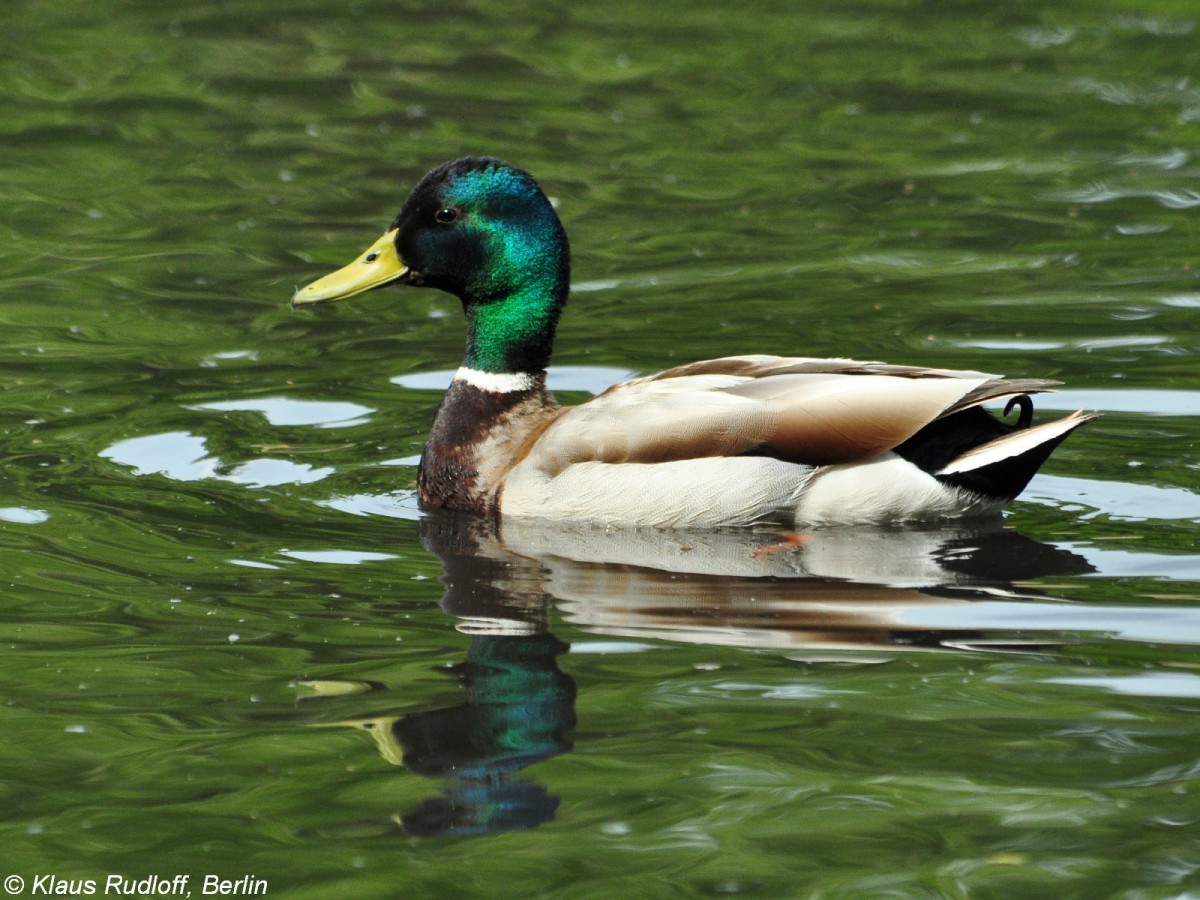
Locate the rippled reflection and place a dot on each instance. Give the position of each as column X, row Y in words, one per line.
column 834, row 589
column 844, row 587
column 518, row 710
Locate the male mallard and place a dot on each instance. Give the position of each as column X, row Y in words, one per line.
column 734, row 441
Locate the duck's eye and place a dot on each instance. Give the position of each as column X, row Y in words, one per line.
column 446, row 215
column 371, row 257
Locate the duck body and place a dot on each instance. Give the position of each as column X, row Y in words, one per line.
column 737, row 441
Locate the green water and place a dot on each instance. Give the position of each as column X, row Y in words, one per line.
column 233, row 647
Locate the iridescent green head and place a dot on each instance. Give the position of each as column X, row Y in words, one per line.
column 484, row 231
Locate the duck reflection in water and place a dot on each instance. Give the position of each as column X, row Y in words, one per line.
column 844, row 589
column 519, row 708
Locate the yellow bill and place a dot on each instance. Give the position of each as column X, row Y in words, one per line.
column 377, row 266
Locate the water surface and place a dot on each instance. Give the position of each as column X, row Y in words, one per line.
column 234, row 646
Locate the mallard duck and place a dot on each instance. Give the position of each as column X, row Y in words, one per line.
column 742, row 440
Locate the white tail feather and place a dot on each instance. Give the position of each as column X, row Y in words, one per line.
column 1014, row 445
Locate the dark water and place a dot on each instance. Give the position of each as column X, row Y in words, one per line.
column 232, row 646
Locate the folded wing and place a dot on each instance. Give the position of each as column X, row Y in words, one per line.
column 808, row 411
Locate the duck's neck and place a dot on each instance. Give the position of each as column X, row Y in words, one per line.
column 484, row 422
column 514, row 335
column 498, row 398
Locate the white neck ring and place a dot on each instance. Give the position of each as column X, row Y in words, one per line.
column 497, row 382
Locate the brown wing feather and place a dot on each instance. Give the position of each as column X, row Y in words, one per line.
column 813, row 411
column 832, row 418
column 763, row 366
column 643, row 422
column 1000, row 389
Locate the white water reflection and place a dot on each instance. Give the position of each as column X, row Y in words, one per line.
column 337, row 557
column 1148, row 684
column 1153, row 623
column 1120, row 500
column 183, row 456
column 283, row 411
column 1148, row 402
column 398, row 505
column 20, row 515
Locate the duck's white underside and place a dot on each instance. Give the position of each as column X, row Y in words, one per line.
column 741, row 491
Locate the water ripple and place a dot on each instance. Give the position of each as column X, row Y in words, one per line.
column 1101, row 192
column 1118, row 500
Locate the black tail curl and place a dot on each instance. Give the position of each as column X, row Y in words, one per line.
column 946, row 439
column 937, row 444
